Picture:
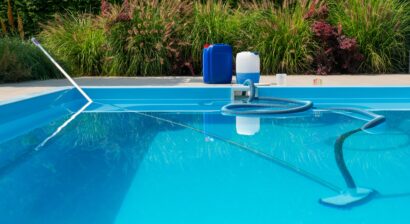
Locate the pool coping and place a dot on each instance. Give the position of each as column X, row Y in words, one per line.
column 236, row 87
column 13, row 91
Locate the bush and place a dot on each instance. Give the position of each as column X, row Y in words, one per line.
column 20, row 61
column 381, row 28
column 212, row 22
column 40, row 11
column 335, row 52
column 142, row 38
column 145, row 37
column 78, row 41
column 280, row 34
column 155, row 37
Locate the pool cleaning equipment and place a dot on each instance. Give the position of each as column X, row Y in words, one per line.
column 350, row 196
column 247, row 67
column 265, row 105
column 89, row 100
column 217, row 64
column 35, row 42
column 353, row 194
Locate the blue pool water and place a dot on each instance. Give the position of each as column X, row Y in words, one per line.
column 111, row 165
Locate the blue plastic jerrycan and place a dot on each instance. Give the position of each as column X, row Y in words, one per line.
column 217, row 64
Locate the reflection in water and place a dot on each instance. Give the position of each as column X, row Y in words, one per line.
column 247, row 148
column 94, row 159
column 247, row 125
column 86, row 169
column 58, row 130
column 24, row 156
column 297, row 138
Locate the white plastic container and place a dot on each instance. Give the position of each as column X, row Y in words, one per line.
column 247, row 67
column 281, row 79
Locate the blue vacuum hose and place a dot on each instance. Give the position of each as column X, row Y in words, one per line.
column 353, row 195
column 250, row 108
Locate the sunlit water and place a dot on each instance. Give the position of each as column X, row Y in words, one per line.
column 196, row 168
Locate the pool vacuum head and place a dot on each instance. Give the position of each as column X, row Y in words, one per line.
column 349, row 198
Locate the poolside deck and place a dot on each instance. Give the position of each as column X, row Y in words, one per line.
column 20, row 90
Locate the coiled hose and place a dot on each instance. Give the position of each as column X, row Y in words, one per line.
column 288, row 106
column 250, row 108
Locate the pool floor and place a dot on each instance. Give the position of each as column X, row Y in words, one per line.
column 196, row 167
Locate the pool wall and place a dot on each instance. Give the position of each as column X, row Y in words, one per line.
column 34, row 111
column 374, row 98
column 21, row 116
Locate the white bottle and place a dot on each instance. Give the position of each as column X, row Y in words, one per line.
column 247, row 67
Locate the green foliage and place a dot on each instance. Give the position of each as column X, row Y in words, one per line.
column 40, row 11
column 280, row 34
column 20, row 61
column 381, row 28
column 155, row 37
column 213, row 22
column 146, row 37
column 78, row 41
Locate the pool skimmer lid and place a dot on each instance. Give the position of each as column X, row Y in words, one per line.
column 349, row 197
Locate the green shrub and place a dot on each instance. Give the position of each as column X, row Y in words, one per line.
column 212, row 23
column 280, row 34
column 145, row 37
column 381, row 28
column 78, row 41
column 155, row 37
column 33, row 13
column 20, row 61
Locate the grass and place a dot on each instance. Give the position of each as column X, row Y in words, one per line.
column 153, row 37
column 149, row 42
column 381, row 28
column 281, row 35
column 78, row 41
column 212, row 23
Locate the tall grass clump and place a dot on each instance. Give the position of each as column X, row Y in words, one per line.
column 381, row 28
column 21, row 61
column 280, row 34
column 145, row 37
column 78, row 41
column 213, row 22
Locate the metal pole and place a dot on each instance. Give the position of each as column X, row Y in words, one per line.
column 35, row 42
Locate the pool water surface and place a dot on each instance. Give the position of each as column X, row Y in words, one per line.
column 110, row 166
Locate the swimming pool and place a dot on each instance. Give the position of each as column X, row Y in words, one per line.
column 167, row 155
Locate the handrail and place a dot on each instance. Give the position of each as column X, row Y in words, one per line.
column 35, row 42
